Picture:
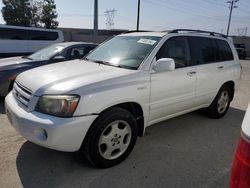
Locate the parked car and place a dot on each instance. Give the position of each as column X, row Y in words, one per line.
column 100, row 105
column 241, row 50
column 17, row 41
column 240, row 175
column 11, row 67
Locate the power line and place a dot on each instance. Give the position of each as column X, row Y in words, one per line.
column 216, row 3
column 245, row 5
column 199, row 8
column 163, row 5
column 129, row 20
column 243, row 10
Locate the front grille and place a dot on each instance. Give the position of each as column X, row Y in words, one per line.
column 22, row 94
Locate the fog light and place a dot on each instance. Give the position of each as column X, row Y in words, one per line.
column 41, row 134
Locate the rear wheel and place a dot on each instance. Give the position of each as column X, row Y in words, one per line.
column 111, row 138
column 221, row 103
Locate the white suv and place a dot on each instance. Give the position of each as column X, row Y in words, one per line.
column 101, row 104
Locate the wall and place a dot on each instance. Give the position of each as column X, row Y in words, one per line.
column 243, row 40
column 86, row 35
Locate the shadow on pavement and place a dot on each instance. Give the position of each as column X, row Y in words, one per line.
column 2, row 108
column 188, row 151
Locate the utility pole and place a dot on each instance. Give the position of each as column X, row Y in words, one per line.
column 138, row 15
column 96, row 18
column 232, row 6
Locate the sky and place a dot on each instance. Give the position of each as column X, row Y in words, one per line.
column 156, row 14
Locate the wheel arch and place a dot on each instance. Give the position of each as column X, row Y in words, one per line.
column 231, row 86
column 135, row 109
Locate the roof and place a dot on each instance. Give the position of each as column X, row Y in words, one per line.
column 187, row 32
column 150, row 33
column 28, row 28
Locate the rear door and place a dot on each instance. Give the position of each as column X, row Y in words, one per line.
column 208, row 69
column 225, row 61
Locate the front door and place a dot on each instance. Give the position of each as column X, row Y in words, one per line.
column 173, row 92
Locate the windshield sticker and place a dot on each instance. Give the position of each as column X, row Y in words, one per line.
column 147, row 41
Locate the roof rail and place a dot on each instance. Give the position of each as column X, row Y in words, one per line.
column 131, row 31
column 197, row 31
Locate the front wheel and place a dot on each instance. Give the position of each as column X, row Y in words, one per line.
column 111, row 138
column 221, row 103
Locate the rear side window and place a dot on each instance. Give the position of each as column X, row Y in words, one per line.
column 22, row 34
column 13, row 34
column 43, row 35
column 202, row 50
column 176, row 48
column 223, row 51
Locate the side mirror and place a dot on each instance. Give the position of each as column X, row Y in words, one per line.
column 164, row 64
column 58, row 58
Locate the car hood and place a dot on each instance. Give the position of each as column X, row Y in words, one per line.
column 12, row 61
column 65, row 77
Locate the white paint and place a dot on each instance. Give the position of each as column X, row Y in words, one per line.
column 164, row 95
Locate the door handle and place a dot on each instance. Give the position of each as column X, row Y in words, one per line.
column 220, row 67
column 191, row 73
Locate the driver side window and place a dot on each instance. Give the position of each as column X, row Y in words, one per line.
column 176, row 48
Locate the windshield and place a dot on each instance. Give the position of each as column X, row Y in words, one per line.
column 124, row 51
column 46, row 53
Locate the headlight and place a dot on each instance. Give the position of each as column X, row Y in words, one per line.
column 58, row 105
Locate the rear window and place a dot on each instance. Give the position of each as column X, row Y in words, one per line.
column 224, row 50
column 207, row 50
column 202, row 50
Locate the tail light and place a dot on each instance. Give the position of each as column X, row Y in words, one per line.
column 240, row 176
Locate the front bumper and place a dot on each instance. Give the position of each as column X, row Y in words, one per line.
column 63, row 134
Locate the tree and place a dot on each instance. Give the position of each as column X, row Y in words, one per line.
column 16, row 12
column 36, row 11
column 49, row 15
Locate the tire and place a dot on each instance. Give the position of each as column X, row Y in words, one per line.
column 221, row 103
column 114, row 128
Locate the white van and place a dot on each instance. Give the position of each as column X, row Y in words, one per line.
column 15, row 40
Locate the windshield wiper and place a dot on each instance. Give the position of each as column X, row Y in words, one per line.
column 113, row 65
column 27, row 57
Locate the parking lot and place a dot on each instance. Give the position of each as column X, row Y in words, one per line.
column 188, row 151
